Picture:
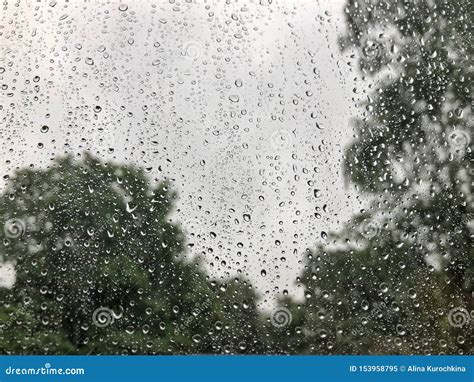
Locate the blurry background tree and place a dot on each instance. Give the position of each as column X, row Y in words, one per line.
column 99, row 269
column 398, row 278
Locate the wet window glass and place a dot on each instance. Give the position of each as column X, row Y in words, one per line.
column 236, row 177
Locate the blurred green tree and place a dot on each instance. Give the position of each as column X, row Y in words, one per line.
column 398, row 278
column 100, row 269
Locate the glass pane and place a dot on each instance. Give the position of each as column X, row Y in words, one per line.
column 236, row 177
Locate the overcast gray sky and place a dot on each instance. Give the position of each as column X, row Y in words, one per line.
column 246, row 105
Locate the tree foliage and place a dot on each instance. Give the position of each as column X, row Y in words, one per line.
column 391, row 280
column 100, row 269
